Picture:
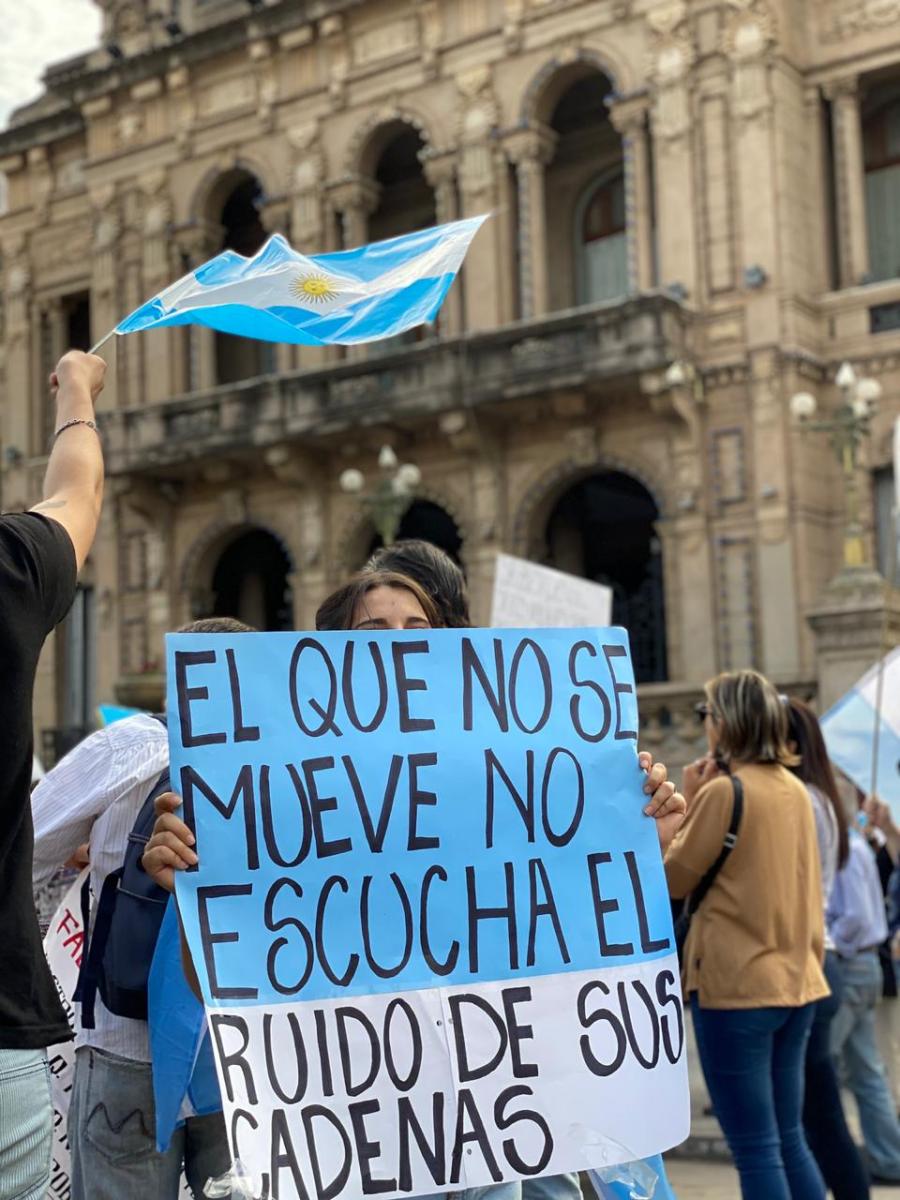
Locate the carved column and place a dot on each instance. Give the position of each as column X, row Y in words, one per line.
column 440, row 173
column 104, row 277
column 853, row 249
column 629, row 119
column 197, row 243
column 672, row 56
column 531, row 150
column 17, row 344
column 309, row 227
column 355, row 200
column 684, row 528
column 162, row 347
column 487, row 275
column 276, row 218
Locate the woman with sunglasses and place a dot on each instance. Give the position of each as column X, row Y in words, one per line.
column 752, row 962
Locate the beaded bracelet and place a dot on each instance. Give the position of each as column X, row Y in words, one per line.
column 76, row 421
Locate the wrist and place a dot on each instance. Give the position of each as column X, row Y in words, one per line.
column 74, row 402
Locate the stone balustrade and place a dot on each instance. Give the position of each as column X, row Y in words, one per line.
column 578, row 349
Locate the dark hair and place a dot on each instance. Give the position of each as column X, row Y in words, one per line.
column 750, row 719
column 336, row 611
column 815, row 766
column 216, row 625
column 434, row 570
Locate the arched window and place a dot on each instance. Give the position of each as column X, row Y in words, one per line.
column 431, row 523
column 881, row 143
column 603, row 528
column 584, row 192
column 602, row 241
column 250, row 581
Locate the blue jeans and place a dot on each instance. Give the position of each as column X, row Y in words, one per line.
column 552, row 1187
column 112, row 1136
column 753, row 1061
column 855, row 1047
column 26, row 1124
column 823, row 1112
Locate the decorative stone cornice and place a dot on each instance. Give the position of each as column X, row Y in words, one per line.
column 841, row 19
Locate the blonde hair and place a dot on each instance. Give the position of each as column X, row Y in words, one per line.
column 751, row 719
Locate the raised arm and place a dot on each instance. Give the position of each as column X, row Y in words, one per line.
column 73, row 484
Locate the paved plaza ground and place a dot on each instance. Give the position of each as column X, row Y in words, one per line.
column 717, row 1181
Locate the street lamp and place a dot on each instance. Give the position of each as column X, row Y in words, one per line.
column 846, row 428
column 391, row 495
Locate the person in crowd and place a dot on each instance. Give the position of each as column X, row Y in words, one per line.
column 434, row 571
column 382, row 599
column 41, row 552
column 443, row 580
column 754, row 950
column 823, row 1112
column 858, row 926
column 91, row 800
column 877, row 827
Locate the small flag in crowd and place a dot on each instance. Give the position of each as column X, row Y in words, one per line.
column 348, row 297
column 109, row 713
column 849, row 728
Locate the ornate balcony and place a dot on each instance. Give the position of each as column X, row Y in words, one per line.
column 578, row 349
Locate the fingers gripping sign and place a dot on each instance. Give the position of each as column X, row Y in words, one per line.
column 170, row 847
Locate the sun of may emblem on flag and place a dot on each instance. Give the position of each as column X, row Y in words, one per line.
column 315, row 287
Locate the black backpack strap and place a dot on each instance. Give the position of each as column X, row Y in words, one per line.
column 91, row 963
column 728, row 844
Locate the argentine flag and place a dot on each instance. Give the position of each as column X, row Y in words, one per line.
column 849, row 731
column 351, row 296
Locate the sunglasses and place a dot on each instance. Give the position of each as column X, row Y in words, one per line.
column 702, row 710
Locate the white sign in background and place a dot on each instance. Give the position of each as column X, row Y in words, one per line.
column 530, row 596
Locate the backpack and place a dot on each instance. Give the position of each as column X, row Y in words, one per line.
column 130, row 912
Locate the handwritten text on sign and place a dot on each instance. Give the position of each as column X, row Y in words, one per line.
column 430, row 919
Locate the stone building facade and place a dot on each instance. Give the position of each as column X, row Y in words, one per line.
column 694, row 217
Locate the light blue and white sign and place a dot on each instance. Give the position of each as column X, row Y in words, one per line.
column 430, row 919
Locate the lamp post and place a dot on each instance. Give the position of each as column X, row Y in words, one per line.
column 846, row 427
column 391, row 495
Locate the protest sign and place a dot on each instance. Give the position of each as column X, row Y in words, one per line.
column 528, row 595
column 430, row 920
column 63, row 946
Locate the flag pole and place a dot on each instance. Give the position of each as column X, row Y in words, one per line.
column 890, row 575
column 102, row 342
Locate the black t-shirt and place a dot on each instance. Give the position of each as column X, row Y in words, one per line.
column 37, row 586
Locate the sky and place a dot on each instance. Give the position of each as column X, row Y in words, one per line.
column 36, row 33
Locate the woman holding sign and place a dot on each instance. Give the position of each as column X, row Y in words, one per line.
column 384, row 601
column 753, row 954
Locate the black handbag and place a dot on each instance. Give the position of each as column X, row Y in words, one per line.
column 683, row 921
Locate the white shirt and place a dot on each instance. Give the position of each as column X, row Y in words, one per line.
column 829, row 840
column 94, row 795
